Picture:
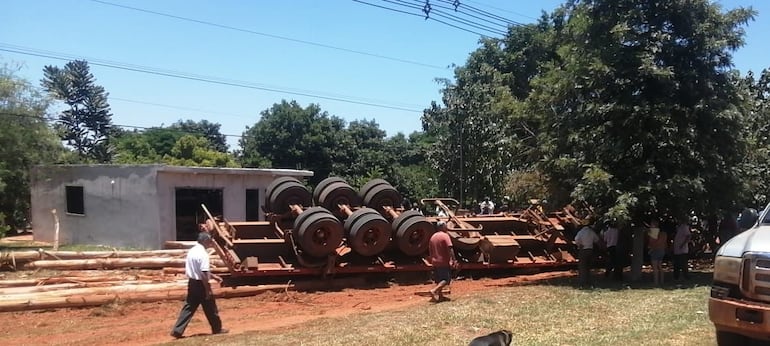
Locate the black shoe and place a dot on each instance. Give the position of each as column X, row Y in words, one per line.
column 222, row 331
column 176, row 335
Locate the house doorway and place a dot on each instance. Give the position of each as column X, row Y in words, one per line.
column 189, row 212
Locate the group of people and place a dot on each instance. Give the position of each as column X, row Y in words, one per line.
column 658, row 244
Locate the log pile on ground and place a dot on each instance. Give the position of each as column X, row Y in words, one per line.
column 84, row 260
column 94, row 278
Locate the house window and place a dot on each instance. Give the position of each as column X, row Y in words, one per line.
column 75, row 204
column 252, row 205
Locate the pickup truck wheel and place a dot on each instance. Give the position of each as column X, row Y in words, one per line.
column 731, row 339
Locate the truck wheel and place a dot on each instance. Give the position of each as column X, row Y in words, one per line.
column 731, row 339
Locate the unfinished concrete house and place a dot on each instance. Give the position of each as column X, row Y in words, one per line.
column 142, row 206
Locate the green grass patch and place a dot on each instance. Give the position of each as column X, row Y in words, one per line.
column 550, row 313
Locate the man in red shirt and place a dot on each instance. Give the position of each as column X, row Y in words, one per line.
column 442, row 257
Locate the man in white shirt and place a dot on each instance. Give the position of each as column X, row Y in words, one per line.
column 487, row 206
column 585, row 240
column 198, row 271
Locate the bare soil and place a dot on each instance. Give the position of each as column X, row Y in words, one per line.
column 150, row 323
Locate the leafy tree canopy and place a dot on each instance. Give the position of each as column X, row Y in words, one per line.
column 25, row 140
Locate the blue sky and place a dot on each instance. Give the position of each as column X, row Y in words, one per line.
column 101, row 32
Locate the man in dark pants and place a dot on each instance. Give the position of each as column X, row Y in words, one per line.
column 585, row 240
column 613, row 265
column 199, row 291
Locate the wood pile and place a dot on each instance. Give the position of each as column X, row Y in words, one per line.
column 94, row 278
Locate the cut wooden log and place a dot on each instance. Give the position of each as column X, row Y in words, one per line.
column 24, row 256
column 177, row 284
column 56, row 287
column 112, row 263
column 35, row 303
column 179, row 244
column 53, row 280
column 180, row 271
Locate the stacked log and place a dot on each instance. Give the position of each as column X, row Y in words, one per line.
column 94, row 278
column 96, row 296
column 86, row 260
column 114, row 263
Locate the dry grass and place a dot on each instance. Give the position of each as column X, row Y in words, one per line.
column 551, row 313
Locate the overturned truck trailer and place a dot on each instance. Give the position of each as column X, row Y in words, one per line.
column 337, row 230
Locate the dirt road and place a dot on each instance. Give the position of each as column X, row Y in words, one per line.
column 150, row 323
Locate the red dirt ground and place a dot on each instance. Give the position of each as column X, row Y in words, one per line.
column 150, row 323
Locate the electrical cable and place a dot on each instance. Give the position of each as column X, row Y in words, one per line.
column 500, row 9
column 52, row 119
column 486, row 13
column 421, row 16
column 442, row 14
column 199, row 78
column 278, row 37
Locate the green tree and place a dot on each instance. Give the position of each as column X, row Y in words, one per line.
column 360, row 153
column 641, row 115
column 206, row 129
column 472, row 150
column 135, row 148
column 292, row 137
column 757, row 127
column 152, row 144
column 410, row 172
column 25, row 140
column 87, row 124
column 195, row 151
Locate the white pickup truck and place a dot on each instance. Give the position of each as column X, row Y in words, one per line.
column 739, row 305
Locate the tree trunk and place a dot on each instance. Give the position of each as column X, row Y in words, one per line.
column 178, row 244
column 112, row 263
column 84, row 300
column 23, row 256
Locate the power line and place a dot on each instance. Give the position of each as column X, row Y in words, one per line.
column 52, row 119
column 455, row 7
column 278, row 37
column 199, row 78
column 486, row 13
column 500, row 9
column 208, row 111
column 430, row 9
column 419, row 15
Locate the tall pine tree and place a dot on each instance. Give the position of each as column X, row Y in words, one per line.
column 87, row 124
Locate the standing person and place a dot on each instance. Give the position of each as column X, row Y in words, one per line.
column 682, row 250
column 406, row 203
column 585, row 240
column 442, row 257
column 199, row 291
column 657, row 241
column 613, row 267
column 487, row 206
column 728, row 228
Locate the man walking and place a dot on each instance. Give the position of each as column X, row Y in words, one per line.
column 442, row 257
column 199, row 291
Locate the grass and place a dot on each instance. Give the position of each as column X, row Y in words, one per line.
column 550, row 313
